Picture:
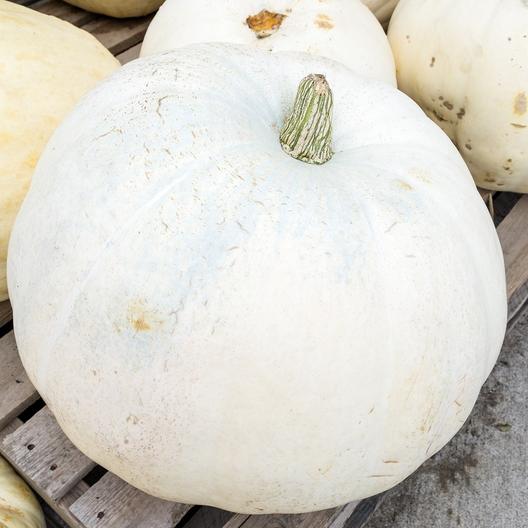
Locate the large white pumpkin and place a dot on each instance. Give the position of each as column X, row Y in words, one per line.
column 46, row 65
column 466, row 64
column 219, row 323
column 343, row 30
column 18, row 506
column 118, row 8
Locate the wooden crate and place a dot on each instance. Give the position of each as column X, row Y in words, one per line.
column 81, row 494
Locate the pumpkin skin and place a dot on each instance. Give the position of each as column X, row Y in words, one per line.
column 343, row 30
column 382, row 9
column 64, row 62
column 118, row 8
column 470, row 75
column 18, row 506
column 253, row 328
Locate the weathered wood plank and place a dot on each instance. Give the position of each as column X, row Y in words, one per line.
column 6, row 313
column 42, row 453
column 513, row 234
column 16, row 391
column 112, row 503
column 62, row 507
column 118, row 35
column 237, row 521
column 333, row 518
column 10, row 428
column 129, row 55
column 208, row 517
column 64, row 11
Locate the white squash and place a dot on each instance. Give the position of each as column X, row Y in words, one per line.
column 466, row 64
column 46, row 65
column 18, row 506
column 255, row 332
column 118, row 8
column 343, row 30
column 382, row 9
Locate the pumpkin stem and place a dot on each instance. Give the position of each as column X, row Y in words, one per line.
column 307, row 132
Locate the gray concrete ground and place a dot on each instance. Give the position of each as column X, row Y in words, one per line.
column 480, row 479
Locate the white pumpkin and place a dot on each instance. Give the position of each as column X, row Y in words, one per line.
column 343, row 30
column 382, row 9
column 18, row 506
column 118, row 8
column 256, row 333
column 46, row 65
column 466, row 64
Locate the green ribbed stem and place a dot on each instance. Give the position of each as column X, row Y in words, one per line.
column 307, row 132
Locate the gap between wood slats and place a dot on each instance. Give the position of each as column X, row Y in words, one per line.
column 5, row 313
column 118, row 35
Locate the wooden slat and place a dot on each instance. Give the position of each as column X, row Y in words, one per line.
column 64, row 11
column 16, row 391
column 118, row 35
column 513, row 234
column 40, row 451
column 10, row 428
column 335, row 518
column 5, row 313
column 208, row 517
column 236, row 521
column 130, row 54
column 62, row 507
column 112, row 503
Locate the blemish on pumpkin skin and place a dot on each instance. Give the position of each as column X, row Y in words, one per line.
column 432, row 63
column 520, row 103
column 404, row 185
column 518, row 125
column 448, row 105
column 265, row 23
column 323, row 21
column 391, row 461
column 133, row 419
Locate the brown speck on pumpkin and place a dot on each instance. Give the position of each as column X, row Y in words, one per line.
column 132, row 418
column 265, row 23
column 461, row 113
column 438, row 116
column 404, row 185
column 432, row 63
column 518, row 125
column 520, row 103
column 323, row 21
column 448, row 105
column 391, row 461
column 468, row 146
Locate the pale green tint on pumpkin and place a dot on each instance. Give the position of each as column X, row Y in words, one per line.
column 240, row 328
column 466, row 64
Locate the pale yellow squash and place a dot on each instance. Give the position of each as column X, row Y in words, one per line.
column 46, row 65
column 18, row 506
column 118, row 8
